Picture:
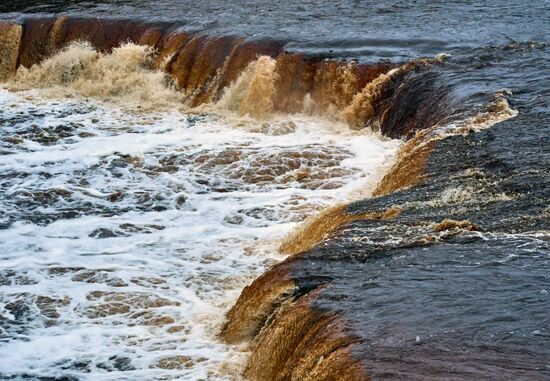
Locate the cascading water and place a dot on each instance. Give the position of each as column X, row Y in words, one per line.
column 155, row 172
column 128, row 233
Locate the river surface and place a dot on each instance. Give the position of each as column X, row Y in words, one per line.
column 127, row 231
column 355, row 29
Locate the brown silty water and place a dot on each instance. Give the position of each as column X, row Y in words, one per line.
column 348, row 301
column 56, row 72
column 201, row 67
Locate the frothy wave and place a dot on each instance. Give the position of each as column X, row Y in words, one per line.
column 128, row 236
column 124, row 76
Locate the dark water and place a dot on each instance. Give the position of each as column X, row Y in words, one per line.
column 456, row 306
column 353, row 29
column 455, row 311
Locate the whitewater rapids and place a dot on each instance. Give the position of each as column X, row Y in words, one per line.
column 127, row 233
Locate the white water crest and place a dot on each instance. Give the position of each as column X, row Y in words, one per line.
column 126, row 236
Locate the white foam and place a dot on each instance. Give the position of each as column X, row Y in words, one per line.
column 184, row 261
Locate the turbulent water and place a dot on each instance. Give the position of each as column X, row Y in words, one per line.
column 127, row 234
column 142, row 189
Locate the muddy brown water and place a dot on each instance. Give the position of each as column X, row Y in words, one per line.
column 453, row 284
